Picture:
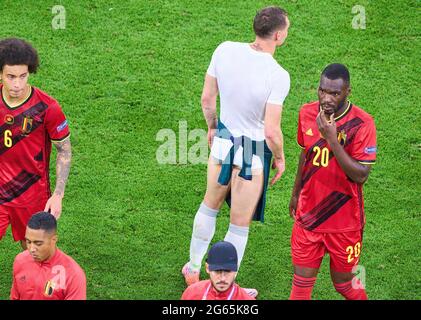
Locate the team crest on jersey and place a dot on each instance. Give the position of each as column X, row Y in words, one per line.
column 27, row 125
column 9, row 119
column 342, row 137
column 49, row 288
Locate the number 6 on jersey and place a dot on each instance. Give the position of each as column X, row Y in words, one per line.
column 8, row 142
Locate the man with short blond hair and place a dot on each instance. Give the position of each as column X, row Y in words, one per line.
column 252, row 87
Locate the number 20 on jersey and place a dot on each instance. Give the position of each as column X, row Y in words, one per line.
column 321, row 157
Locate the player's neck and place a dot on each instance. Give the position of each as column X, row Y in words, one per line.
column 262, row 45
column 16, row 101
column 342, row 109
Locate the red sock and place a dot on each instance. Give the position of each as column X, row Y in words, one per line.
column 302, row 288
column 349, row 292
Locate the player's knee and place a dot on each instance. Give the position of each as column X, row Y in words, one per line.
column 214, row 199
column 341, row 277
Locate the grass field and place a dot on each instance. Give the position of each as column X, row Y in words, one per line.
column 123, row 70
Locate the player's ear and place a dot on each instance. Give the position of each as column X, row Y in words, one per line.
column 280, row 34
column 54, row 238
column 207, row 267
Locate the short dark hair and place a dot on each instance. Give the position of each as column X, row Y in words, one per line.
column 337, row 71
column 16, row 52
column 268, row 20
column 43, row 221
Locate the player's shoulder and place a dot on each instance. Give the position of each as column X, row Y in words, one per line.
column 22, row 259
column 195, row 291
column 279, row 70
column 243, row 295
column 198, row 286
column 310, row 108
column 70, row 263
column 362, row 114
column 228, row 46
column 45, row 97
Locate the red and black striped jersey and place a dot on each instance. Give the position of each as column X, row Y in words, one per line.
column 329, row 201
column 26, row 132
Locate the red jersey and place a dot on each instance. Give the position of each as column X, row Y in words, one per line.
column 59, row 278
column 203, row 290
column 329, row 201
column 26, row 132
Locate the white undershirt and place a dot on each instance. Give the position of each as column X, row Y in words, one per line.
column 247, row 80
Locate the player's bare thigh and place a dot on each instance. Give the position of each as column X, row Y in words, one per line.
column 215, row 192
column 245, row 195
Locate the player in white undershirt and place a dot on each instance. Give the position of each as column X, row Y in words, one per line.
column 252, row 87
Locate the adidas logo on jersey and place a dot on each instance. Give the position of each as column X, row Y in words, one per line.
column 309, row 132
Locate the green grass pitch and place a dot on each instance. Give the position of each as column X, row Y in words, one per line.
column 123, row 70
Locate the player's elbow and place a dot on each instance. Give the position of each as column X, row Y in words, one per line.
column 272, row 134
column 208, row 100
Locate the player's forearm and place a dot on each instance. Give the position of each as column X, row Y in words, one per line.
column 353, row 169
column 275, row 142
column 63, row 163
column 209, row 111
column 297, row 184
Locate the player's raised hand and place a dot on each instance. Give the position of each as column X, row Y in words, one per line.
column 54, row 205
column 327, row 128
column 279, row 166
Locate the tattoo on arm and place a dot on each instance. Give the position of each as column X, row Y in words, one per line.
column 64, row 156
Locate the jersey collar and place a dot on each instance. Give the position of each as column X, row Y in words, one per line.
column 226, row 295
column 52, row 259
column 31, row 92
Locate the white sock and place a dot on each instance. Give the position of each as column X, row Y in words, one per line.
column 238, row 236
column 203, row 231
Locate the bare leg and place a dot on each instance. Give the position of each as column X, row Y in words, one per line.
column 204, row 223
column 245, row 195
column 215, row 193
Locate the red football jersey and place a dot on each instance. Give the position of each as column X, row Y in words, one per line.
column 59, row 278
column 203, row 290
column 26, row 132
column 329, row 201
